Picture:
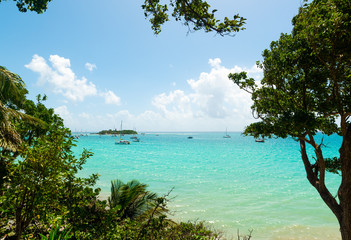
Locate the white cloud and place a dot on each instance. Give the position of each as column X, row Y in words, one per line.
column 212, row 103
column 215, row 63
column 174, row 105
column 61, row 77
column 90, row 66
column 64, row 113
column 213, row 96
column 121, row 115
column 111, row 98
column 84, row 115
column 62, row 80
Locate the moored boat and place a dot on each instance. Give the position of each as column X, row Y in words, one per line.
column 119, row 140
column 226, row 134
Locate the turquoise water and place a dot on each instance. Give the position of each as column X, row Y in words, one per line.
column 231, row 183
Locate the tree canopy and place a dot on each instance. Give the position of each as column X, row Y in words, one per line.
column 195, row 14
column 306, row 89
column 12, row 98
column 41, row 196
column 110, row 131
column 38, row 6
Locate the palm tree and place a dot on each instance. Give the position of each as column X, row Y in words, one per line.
column 12, row 96
column 132, row 200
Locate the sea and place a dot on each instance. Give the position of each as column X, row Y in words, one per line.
column 235, row 185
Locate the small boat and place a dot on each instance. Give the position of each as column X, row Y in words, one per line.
column 119, row 140
column 261, row 140
column 135, row 139
column 190, row 137
column 226, row 134
column 122, row 142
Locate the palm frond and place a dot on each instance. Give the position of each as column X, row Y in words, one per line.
column 9, row 138
column 12, row 96
column 113, row 200
column 131, row 199
column 12, row 87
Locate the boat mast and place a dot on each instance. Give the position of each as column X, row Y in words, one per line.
column 120, row 132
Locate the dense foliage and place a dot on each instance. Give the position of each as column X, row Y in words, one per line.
column 132, row 200
column 306, row 89
column 12, row 92
column 113, row 132
column 41, row 196
column 38, row 6
column 195, row 14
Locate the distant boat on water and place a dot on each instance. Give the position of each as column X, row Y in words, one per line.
column 119, row 140
column 261, row 140
column 190, row 137
column 226, row 134
column 135, row 139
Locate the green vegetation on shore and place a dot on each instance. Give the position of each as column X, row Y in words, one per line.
column 306, row 89
column 112, row 132
column 41, row 196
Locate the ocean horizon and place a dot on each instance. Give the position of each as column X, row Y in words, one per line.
column 229, row 183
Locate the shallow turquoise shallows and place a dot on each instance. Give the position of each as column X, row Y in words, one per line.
column 230, row 183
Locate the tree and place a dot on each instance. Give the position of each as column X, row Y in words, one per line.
column 306, row 89
column 131, row 199
column 12, row 93
column 190, row 12
column 38, row 6
column 38, row 178
column 37, row 182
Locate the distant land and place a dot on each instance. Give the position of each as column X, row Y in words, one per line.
column 108, row 132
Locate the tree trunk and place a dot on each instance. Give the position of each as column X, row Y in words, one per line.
column 345, row 187
column 19, row 227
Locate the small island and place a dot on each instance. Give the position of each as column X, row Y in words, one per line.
column 115, row 132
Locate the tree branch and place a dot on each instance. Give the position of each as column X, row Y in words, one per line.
column 311, row 176
column 202, row 19
column 319, row 184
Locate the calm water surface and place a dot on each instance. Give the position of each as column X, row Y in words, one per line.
column 231, row 183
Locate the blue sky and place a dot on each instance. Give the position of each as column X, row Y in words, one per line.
column 99, row 63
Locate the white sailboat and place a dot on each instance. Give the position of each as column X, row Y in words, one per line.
column 119, row 139
column 226, row 134
column 134, row 137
